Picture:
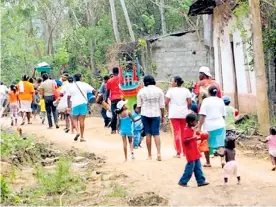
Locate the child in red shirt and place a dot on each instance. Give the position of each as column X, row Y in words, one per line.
column 189, row 141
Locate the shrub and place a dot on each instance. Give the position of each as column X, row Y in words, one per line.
column 59, row 181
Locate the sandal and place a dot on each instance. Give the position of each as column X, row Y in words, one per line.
column 67, row 130
column 82, row 140
column 76, row 137
column 22, row 123
column 159, row 158
column 207, row 165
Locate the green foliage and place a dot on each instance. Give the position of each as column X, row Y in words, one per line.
column 5, row 189
column 12, row 142
column 117, row 191
column 76, row 35
column 149, row 23
column 249, row 126
column 62, row 180
column 7, row 196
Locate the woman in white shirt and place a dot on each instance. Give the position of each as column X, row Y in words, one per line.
column 178, row 103
column 212, row 114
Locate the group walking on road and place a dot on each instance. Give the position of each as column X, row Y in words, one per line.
column 205, row 124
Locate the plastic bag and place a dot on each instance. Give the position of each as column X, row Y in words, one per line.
column 62, row 105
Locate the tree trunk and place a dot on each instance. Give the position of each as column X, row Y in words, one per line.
column 129, row 26
column 39, row 54
column 259, row 67
column 91, row 21
column 114, row 21
column 163, row 22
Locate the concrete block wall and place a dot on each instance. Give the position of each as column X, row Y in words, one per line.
column 180, row 55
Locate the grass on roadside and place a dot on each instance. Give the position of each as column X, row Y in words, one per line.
column 249, row 126
column 12, row 142
column 62, row 180
column 117, row 191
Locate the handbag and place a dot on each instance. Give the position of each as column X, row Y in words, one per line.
column 55, row 91
column 90, row 98
column 203, row 146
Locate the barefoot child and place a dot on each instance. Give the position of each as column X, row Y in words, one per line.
column 13, row 104
column 138, row 126
column 229, row 120
column 271, row 140
column 125, row 126
column 193, row 165
column 231, row 166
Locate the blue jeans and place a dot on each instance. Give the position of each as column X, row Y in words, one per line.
column 137, row 138
column 193, row 167
column 51, row 109
column 106, row 119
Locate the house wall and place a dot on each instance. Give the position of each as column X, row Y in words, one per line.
column 224, row 63
column 180, row 55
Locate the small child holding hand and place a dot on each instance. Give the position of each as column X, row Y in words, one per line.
column 192, row 153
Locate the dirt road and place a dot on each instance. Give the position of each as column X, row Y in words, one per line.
column 258, row 181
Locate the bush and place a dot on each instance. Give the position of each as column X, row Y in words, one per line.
column 59, row 181
column 12, row 142
column 118, row 191
column 249, row 126
column 5, row 190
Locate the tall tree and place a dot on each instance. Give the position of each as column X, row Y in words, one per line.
column 129, row 26
column 163, row 22
column 259, row 66
column 114, row 20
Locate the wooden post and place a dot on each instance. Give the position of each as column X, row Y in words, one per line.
column 259, row 67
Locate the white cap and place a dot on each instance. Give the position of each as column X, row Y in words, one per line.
column 120, row 104
column 205, row 70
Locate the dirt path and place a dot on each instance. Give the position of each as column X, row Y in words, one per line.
column 258, row 181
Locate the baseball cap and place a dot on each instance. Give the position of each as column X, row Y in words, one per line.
column 205, row 70
column 120, row 104
column 226, row 99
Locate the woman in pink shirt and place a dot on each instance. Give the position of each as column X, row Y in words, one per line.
column 271, row 140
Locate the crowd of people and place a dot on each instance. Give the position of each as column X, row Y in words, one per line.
column 191, row 119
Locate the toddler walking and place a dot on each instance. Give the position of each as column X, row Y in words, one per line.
column 125, row 123
column 229, row 120
column 192, row 153
column 13, row 104
column 231, row 166
column 138, row 126
column 271, row 140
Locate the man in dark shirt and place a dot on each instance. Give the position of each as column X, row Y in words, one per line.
column 103, row 92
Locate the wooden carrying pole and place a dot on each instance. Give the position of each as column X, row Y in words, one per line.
column 259, row 67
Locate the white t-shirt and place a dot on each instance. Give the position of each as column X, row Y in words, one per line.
column 3, row 92
column 76, row 96
column 151, row 100
column 214, row 110
column 178, row 106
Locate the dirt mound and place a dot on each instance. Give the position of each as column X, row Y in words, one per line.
column 147, row 199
